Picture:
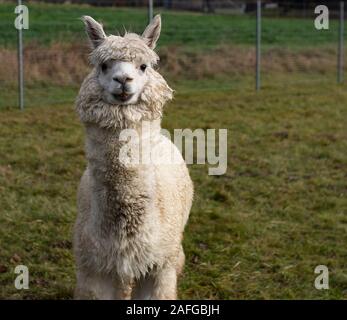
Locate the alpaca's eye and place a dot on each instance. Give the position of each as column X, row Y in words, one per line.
column 103, row 67
column 143, row 67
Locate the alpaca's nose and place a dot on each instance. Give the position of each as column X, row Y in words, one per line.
column 123, row 80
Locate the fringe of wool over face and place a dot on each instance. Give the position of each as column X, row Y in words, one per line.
column 131, row 217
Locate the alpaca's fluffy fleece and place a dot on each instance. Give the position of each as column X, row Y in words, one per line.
column 93, row 109
column 131, row 48
column 128, row 233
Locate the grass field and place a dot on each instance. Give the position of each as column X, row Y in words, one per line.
column 256, row 232
column 52, row 23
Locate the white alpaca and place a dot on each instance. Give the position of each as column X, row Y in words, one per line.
column 128, row 233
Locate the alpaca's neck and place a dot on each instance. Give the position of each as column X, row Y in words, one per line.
column 100, row 141
column 112, row 181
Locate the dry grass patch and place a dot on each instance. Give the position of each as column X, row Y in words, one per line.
column 67, row 64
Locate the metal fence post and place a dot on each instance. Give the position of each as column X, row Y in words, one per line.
column 150, row 10
column 20, row 65
column 258, row 46
column 341, row 43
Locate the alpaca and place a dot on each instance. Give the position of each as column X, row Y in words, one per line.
column 129, row 228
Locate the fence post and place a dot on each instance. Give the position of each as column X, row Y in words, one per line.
column 20, row 65
column 150, row 10
column 341, row 43
column 258, row 46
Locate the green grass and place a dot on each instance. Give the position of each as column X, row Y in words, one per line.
column 50, row 23
column 256, row 232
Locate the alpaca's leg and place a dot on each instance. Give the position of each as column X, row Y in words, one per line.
column 165, row 284
column 100, row 288
column 161, row 285
column 180, row 261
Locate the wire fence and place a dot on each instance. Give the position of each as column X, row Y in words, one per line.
column 200, row 40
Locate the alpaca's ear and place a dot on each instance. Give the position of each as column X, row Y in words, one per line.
column 152, row 32
column 94, row 31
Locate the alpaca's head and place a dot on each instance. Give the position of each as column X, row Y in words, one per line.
column 123, row 87
column 123, row 64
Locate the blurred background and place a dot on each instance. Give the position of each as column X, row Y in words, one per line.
column 200, row 39
column 256, row 232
